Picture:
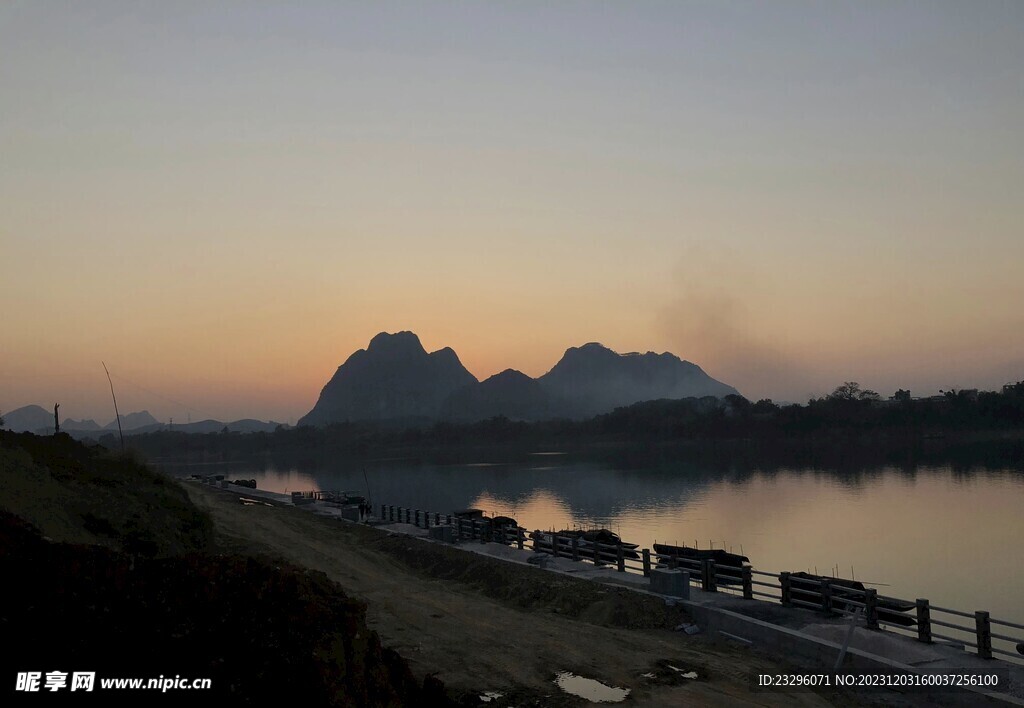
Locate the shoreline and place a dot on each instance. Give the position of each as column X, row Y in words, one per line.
column 810, row 631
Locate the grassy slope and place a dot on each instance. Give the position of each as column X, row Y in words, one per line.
column 108, row 567
column 79, row 494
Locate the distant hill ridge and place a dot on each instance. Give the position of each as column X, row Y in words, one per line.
column 395, row 378
column 36, row 419
column 32, row 419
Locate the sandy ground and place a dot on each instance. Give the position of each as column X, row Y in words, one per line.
column 474, row 643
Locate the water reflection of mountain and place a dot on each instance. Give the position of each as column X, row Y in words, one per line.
column 593, row 483
column 589, row 490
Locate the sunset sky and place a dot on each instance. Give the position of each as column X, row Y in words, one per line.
column 222, row 201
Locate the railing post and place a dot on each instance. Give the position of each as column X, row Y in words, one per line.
column 519, row 538
column 554, row 544
column 924, row 621
column 391, row 513
column 437, row 519
column 707, row 576
column 575, row 548
column 871, row 608
column 595, row 551
column 647, row 562
column 826, row 596
column 621, row 559
column 981, row 623
column 383, row 511
column 785, row 588
column 449, row 517
column 748, row 582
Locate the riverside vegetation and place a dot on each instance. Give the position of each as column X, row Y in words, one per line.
column 850, row 423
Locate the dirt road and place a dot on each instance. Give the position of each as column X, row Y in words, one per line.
column 495, row 626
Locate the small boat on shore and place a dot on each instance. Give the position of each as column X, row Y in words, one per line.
column 502, row 528
column 606, row 542
column 666, row 553
column 608, row 538
column 496, row 528
column 805, row 587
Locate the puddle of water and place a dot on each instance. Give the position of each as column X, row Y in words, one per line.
column 589, row 689
column 488, row 696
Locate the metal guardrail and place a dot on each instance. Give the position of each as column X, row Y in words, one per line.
column 831, row 596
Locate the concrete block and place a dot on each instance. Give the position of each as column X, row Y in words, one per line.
column 671, row 581
column 442, row 533
column 350, row 513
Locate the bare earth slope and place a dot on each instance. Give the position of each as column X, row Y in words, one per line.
column 493, row 626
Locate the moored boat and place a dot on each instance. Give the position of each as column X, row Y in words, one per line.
column 666, row 553
column 805, row 587
column 606, row 542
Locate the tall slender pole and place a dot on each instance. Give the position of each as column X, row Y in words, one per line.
column 369, row 499
column 116, row 414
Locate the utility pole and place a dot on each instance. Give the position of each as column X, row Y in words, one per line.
column 56, row 419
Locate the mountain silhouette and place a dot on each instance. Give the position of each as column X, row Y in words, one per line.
column 593, row 379
column 394, row 378
column 131, row 421
column 511, row 393
column 28, row 419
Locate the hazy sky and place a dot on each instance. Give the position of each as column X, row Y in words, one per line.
column 223, row 201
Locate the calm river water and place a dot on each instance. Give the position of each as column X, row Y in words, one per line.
column 951, row 534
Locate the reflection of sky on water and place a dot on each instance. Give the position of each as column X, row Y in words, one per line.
column 951, row 536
